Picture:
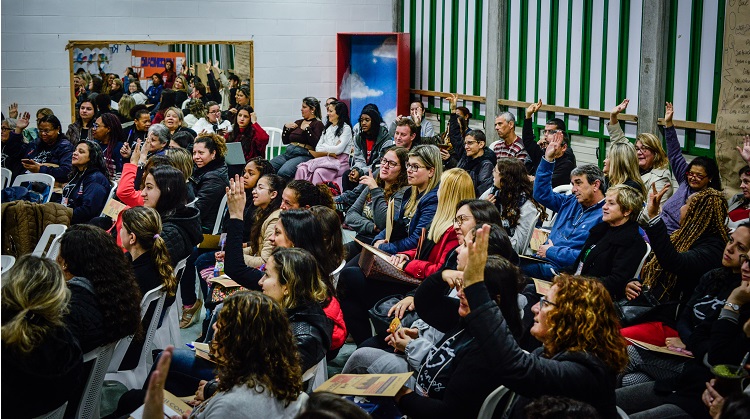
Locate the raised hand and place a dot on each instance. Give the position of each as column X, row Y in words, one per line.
column 474, row 271
column 616, row 110
column 668, row 114
column 154, row 402
column 22, row 122
column 135, row 155
column 453, row 99
column 556, row 147
column 745, row 149
column 236, row 197
column 13, row 110
column 653, row 207
column 533, row 108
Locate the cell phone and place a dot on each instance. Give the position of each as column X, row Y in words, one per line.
column 27, row 161
column 444, row 146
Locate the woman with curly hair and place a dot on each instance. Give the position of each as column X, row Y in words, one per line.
column 575, row 321
column 105, row 304
column 513, row 194
column 249, row 133
column 87, row 190
column 367, row 216
column 680, row 259
column 197, row 111
column 302, row 194
column 258, row 372
column 38, row 351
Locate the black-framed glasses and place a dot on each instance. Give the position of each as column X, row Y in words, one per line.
column 389, row 163
column 414, row 167
column 642, row 149
column 543, row 302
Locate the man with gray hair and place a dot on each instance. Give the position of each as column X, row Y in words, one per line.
column 511, row 144
column 577, row 213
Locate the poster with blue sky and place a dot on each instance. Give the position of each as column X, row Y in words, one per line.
column 371, row 76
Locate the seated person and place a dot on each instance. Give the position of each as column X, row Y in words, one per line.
column 680, row 259
column 51, row 153
column 477, row 162
column 416, row 115
column 576, row 362
column 621, row 167
column 370, row 143
column 615, row 247
column 300, row 136
column 332, row 153
column 248, row 384
column 87, row 190
column 577, row 213
column 701, row 311
column 39, row 352
column 563, row 164
column 739, row 205
column 512, row 194
column 212, row 123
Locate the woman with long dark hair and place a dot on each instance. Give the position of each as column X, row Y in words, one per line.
column 249, row 133
column 331, row 155
column 210, row 177
column 513, row 194
column 301, row 136
column 87, row 190
column 80, row 129
column 107, row 132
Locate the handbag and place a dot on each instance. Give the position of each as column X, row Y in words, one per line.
column 634, row 311
column 379, row 314
column 374, row 264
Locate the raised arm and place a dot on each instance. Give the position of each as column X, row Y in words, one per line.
column 615, row 132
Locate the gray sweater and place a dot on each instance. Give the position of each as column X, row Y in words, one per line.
column 242, row 402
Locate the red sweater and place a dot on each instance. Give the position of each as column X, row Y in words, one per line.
column 424, row 268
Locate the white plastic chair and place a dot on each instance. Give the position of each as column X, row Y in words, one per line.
column 7, row 262
column 37, row 177
column 136, row 377
column 6, row 175
column 551, row 215
column 112, row 193
column 492, row 146
column 621, row 413
column 52, row 232
column 58, row 413
column 335, row 274
column 220, row 214
column 490, row 403
column 525, row 243
column 92, row 393
column 275, row 146
column 643, row 261
column 316, row 375
column 169, row 332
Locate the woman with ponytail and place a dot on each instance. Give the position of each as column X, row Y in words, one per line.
column 38, row 351
column 140, row 235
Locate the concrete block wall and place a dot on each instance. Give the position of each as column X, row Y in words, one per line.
column 294, row 43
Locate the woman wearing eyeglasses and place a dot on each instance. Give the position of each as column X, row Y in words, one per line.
column 576, row 322
column 699, row 174
column 50, row 154
column 368, row 215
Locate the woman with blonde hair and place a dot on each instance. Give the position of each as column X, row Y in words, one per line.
column 38, row 351
column 124, row 106
column 621, row 167
column 577, row 325
column 653, row 163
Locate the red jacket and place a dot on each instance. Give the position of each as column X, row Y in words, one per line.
column 333, row 312
column 423, row 268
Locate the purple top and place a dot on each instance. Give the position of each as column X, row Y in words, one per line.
column 670, row 212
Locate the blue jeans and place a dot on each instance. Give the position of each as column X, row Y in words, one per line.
column 538, row 270
column 186, row 372
column 286, row 164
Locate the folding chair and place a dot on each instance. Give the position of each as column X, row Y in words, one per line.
column 335, row 274
column 6, row 175
column 92, row 393
column 51, row 232
column 169, row 332
column 220, row 215
column 58, row 413
column 136, row 377
column 275, row 146
column 7, row 262
column 37, row 177
column 491, row 402
column 112, row 192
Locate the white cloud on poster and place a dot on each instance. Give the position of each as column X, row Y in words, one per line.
column 353, row 87
column 389, row 116
column 387, row 49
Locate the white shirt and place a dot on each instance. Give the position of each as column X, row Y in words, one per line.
column 330, row 143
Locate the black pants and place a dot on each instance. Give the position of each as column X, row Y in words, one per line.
column 357, row 294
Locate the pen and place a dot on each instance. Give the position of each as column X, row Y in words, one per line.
column 190, row 345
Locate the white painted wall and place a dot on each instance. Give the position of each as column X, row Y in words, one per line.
column 294, row 42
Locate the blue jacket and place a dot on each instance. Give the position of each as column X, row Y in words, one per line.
column 571, row 228
column 422, row 219
column 60, row 153
column 86, row 194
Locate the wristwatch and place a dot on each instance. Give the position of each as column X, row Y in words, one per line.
column 732, row 306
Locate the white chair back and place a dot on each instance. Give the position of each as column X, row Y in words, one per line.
column 490, row 403
column 643, row 261
column 335, row 274
column 220, row 215
column 52, row 232
column 6, row 175
column 92, row 393
column 169, row 332
column 524, row 243
column 37, row 177
column 275, row 146
column 136, row 377
column 551, row 215
column 58, row 413
column 492, row 146
column 7, row 262
column 112, row 192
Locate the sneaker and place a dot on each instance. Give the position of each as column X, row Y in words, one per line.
column 190, row 315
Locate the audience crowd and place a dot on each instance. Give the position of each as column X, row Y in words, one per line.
column 586, row 292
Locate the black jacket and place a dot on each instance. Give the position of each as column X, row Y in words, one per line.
column 60, row 153
column 87, row 194
column 480, row 170
column 146, row 273
column 577, row 375
column 612, row 254
column 563, row 165
column 234, row 262
column 53, row 369
column 181, row 231
column 208, row 184
column 312, row 331
column 85, row 318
